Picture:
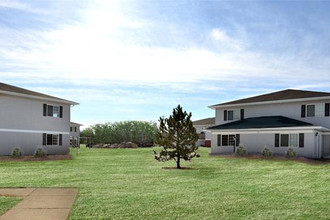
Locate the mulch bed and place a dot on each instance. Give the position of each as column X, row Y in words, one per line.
column 32, row 158
column 279, row 158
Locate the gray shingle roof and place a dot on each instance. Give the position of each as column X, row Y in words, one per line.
column 205, row 121
column 280, row 95
column 14, row 89
column 262, row 122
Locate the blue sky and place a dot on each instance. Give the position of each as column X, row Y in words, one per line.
column 136, row 60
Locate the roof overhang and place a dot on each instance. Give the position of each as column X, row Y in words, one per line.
column 38, row 97
column 74, row 123
column 270, row 102
column 300, row 129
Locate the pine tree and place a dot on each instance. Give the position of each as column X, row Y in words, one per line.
column 177, row 136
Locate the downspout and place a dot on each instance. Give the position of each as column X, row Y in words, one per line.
column 234, row 144
column 317, row 145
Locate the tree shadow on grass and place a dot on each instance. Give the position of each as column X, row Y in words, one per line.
column 182, row 168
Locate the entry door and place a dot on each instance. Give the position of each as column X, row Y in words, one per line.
column 326, row 145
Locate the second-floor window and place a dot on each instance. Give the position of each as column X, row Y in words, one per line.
column 315, row 110
column 53, row 111
column 231, row 115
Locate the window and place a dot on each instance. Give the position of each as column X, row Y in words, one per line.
column 52, row 139
column 75, row 129
column 224, row 141
column 293, row 140
column 319, row 110
column 55, row 139
column 52, row 111
column 316, row 110
column 228, row 140
column 219, row 140
column 49, row 139
column 231, row 140
column 70, row 129
column 289, row 140
column 233, row 114
column 56, row 111
column 284, row 140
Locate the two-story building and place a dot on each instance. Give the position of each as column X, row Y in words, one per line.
column 279, row 120
column 30, row 120
column 75, row 134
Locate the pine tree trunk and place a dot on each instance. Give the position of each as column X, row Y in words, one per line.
column 178, row 163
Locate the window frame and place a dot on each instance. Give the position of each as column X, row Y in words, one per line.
column 52, row 139
column 289, row 141
column 238, row 114
column 53, row 111
column 230, row 140
column 310, row 105
column 319, row 110
column 56, row 111
column 281, row 140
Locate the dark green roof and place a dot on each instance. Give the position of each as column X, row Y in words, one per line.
column 262, row 122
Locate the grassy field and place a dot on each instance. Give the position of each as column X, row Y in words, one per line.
column 130, row 184
column 7, row 202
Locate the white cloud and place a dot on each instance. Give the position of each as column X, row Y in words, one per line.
column 91, row 51
column 20, row 6
column 222, row 40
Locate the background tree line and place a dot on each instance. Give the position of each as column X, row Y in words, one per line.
column 139, row 132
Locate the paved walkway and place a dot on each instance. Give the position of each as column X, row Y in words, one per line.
column 40, row 203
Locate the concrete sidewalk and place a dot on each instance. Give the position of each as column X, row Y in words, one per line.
column 40, row 203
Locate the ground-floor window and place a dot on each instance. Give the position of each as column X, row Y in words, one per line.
column 289, row 140
column 52, row 139
column 227, row 139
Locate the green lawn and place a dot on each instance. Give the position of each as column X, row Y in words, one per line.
column 7, row 202
column 130, row 184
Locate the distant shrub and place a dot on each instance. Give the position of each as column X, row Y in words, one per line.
column 40, row 153
column 17, row 152
column 291, row 153
column 241, row 151
column 266, row 152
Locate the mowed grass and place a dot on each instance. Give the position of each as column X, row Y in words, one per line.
column 7, row 202
column 130, row 184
